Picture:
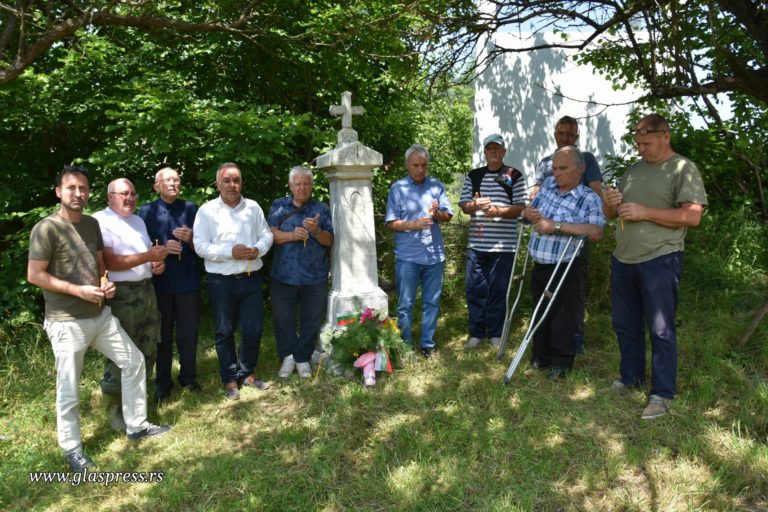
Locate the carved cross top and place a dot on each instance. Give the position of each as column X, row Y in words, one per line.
column 346, row 110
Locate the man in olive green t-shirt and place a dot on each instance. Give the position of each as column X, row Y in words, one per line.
column 65, row 260
column 657, row 200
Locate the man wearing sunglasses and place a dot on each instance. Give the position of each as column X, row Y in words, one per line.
column 131, row 259
column 658, row 198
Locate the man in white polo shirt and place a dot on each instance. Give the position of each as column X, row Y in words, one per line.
column 131, row 259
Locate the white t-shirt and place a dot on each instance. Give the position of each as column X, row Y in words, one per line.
column 125, row 236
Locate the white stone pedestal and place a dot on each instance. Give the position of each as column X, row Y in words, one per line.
column 353, row 269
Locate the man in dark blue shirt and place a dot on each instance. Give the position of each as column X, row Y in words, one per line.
column 303, row 232
column 169, row 222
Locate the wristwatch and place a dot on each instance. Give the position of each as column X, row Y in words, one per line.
column 557, row 227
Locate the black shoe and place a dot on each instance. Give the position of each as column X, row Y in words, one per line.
column 538, row 364
column 194, row 387
column 231, row 392
column 557, row 372
column 428, row 351
column 150, row 431
column 78, row 461
column 161, row 395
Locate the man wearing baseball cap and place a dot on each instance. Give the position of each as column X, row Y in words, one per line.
column 494, row 197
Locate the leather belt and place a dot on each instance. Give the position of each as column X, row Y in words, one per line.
column 244, row 275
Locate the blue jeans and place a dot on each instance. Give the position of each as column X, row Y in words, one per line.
column 408, row 276
column 646, row 294
column 488, row 276
column 305, row 303
column 234, row 299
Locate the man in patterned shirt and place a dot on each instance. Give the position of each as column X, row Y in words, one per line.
column 303, row 234
column 494, row 197
column 563, row 208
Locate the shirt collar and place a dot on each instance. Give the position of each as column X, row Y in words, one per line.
column 238, row 206
column 553, row 186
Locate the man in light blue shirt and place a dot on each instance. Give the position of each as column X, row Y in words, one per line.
column 415, row 206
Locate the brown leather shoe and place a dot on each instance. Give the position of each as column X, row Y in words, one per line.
column 252, row 382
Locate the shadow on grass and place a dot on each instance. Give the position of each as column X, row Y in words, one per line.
column 439, row 434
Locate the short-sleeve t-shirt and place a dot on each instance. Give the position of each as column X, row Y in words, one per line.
column 665, row 185
column 70, row 249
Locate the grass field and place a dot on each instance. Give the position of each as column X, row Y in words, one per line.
column 438, row 434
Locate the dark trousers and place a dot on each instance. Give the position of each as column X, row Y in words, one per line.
column 237, row 300
column 645, row 294
column 305, row 303
column 553, row 340
column 182, row 312
column 488, row 276
column 582, row 271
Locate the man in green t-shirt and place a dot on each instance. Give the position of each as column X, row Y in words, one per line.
column 65, row 260
column 657, row 200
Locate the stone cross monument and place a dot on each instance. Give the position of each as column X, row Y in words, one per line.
column 349, row 168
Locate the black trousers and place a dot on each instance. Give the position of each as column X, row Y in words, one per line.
column 553, row 341
column 182, row 311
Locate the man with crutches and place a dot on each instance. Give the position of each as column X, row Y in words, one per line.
column 566, row 134
column 563, row 211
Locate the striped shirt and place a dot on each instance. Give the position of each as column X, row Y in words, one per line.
column 492, row 234
column 578, row 206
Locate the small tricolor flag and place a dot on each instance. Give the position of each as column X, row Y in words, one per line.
column 382, row 363
column 347, row 319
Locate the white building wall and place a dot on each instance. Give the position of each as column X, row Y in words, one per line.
column 517, row 96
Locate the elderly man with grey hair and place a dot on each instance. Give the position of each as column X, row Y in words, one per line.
column 563, row 208
column 303, row 233
column 415, row 206
column 131, row 260
column 169, row 221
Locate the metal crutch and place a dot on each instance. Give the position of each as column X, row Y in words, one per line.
column 512, row 278
column 550, row 296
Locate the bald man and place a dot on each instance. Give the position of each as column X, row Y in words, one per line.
column 131, row 259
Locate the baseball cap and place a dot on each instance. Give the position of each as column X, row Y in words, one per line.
column 494, row 139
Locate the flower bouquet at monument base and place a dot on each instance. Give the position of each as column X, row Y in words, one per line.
column 368, row 341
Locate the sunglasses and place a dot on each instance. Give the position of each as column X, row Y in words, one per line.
column 646, row 131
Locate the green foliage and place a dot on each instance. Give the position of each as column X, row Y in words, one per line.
column 125, row 102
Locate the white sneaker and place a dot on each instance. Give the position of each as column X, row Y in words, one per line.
column 305, row 371
column 472, row 343
column 496, row 342
column 288, row 366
